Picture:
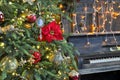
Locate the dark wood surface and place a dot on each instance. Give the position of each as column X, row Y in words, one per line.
column 114, row 75
column 96, row 41
column 96, row 50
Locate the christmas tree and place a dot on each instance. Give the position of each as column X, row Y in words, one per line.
column 32, row 45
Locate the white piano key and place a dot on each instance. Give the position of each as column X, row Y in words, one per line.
column 102, row 60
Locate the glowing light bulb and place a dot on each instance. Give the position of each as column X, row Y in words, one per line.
column 38, row 47
column 73, row 14
column 110, row 22
column 98, row 8
column 82, row 17
column 97, row 1
column 85, row 8
column 2, row 44
column 59, row 72
column 47, row 57
column 73, row 24
column 10, row 3
column 60, row 6
column 105, row 2
column 119, row 6
column 113, row 2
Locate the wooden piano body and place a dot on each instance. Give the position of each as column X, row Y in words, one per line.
column 98, row 52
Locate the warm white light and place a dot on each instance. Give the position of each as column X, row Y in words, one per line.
column 73, row 24
column 98, row 8
column 10, row 3
column 110, row 22
column 73, row 14
column 113, row 2
column 105, row 2
column 97, row 1
column 82, row 17
column 119, row 6
column 85, row 8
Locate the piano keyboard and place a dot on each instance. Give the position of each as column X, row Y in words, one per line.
column 102, row 60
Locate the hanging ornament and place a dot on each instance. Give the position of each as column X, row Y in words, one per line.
column 9, row 64
column 27, row 25
column 74, row 75
column 40, row 22
column 31, row 18
column 50, row 56
column 1, row 17
column 58, row 57
column 37, row 57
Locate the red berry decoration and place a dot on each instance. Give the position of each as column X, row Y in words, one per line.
column 1, row 17
column 37, row 57
column 31, row 18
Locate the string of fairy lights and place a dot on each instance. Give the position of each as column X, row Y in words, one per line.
column 103, row 8
column 104, row 12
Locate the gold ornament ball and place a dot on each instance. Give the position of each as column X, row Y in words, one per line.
column 9, row 64
column 27, row 25
column 50, row 57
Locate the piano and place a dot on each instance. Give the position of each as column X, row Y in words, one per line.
column 99, row 52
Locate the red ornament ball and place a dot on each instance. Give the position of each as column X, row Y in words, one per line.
column 1, row 16
column 31, row 18
column 37, row 57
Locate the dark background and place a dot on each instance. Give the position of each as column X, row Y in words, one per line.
column 114, row 75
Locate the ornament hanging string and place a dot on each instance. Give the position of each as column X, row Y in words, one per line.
column 39, row 4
